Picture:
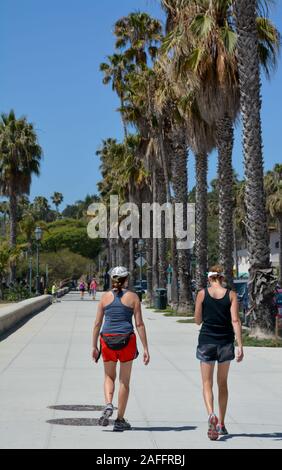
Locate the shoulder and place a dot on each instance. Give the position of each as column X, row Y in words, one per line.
column 201, row 294
column 106, row 297
column 232, row 295
column 131, row 296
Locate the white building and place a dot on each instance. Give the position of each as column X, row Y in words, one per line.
column 243, row 255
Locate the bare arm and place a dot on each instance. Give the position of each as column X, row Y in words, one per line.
column 141, row 329
column 97, row 328
column 236, row 322
column 199, row 307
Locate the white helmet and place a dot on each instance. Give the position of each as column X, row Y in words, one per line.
column 119, row 271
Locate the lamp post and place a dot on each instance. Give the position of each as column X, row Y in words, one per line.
column 38, row 236
column 30, row 274
column 141, row 244
column 47, row 276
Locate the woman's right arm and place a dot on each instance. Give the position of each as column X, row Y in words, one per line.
column 236, row 322
column 199, row 307
column 141, row 329
column 96, row 330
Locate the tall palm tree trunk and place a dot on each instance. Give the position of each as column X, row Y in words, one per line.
column 123, row 119
column 13, row 228
column 174, row 260
column 155, row 270
column 149, row 253
column 262, row 281
column 201, row 243
column 180, row 187
column 131, row 249
column 146, row 197
column 174, row 279
column 161, row 193
column 225, row 139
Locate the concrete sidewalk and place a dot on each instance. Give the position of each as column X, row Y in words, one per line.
column 47, row 363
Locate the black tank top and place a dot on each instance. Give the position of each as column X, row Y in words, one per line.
column 217, row 324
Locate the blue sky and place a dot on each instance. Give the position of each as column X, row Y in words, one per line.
column 50, row 53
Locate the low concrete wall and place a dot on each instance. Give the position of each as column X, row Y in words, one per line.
column 12, row 314
column 62, row 291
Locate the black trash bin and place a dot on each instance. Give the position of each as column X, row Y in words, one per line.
column 161, row 299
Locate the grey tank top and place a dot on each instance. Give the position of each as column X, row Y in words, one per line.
column 118, row 317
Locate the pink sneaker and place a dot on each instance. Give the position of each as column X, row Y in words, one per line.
column 212, row 431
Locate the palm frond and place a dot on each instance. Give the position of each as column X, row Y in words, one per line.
column 201, row 26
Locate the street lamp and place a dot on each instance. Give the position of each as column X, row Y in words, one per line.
column 141, row 245
column 38, row 236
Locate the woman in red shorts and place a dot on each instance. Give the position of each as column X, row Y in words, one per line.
column 117, row 307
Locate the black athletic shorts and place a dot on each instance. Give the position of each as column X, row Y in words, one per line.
column 216, row 352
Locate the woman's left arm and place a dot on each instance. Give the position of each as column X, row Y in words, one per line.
column 199, row 308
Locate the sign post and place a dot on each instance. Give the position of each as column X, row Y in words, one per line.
column 169, row 281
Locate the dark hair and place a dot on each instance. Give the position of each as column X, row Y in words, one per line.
column 118, row 283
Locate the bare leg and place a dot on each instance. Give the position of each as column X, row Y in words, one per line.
column 207, row 378
column 109, row 384
column 124, row 379
column 222, row 375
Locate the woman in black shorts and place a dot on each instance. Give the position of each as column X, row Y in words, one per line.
column 218, row 312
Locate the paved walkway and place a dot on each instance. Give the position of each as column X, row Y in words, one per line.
column 46, row 363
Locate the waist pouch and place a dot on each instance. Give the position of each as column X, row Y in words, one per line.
column 116, row 342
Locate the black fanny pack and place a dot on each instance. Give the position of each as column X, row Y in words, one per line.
column 116, row 342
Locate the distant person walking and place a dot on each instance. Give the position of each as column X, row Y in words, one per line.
column 118, row 343
column 93, row 288
column 217, row 310
column 82, row 289
column 54, row 291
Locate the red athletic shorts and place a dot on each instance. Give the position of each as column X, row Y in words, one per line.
column 126, row 354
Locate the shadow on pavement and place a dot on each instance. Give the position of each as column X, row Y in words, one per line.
column 77, row 422
column 164, row 428
column 78, row 407
column 273, row 435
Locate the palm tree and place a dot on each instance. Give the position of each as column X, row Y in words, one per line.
column 204, row 42
column 4, row 263
column 4, row 209
column 138, row 35
column 202, row 140
column 262, row 281
column 274, row 205
column 20, row 156
column 57, row 199
column 123, row 175
column 209, row 54
column 40, row 208
column 115, row 71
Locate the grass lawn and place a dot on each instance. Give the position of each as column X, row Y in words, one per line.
column 188, row 320
column 250, row 341
column 168, row 312
column 258, row 342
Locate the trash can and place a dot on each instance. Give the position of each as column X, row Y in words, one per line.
column 161, row 299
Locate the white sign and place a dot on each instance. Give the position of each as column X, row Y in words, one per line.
column 140, row 260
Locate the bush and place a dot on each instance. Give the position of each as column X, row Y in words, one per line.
column 17, row 293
